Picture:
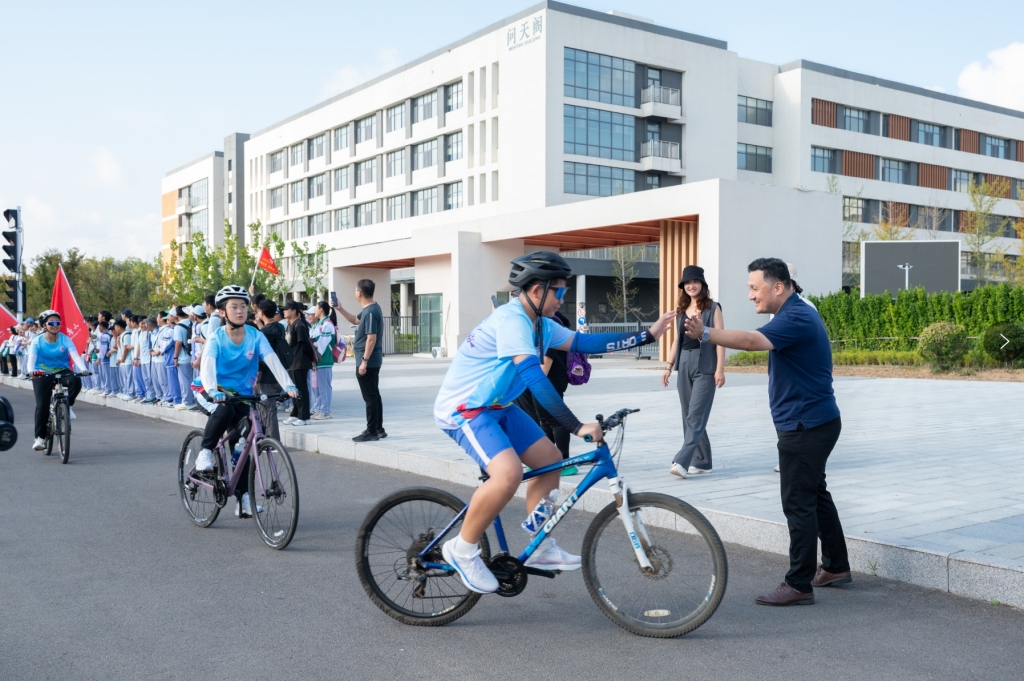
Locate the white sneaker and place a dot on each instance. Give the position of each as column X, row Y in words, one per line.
column 204, row 462
column 300, row 422
column 550, row 556
column 320, row 417
column 181, row 406
column 472, row 571
column 776, row 469
column 71, row 414
column 39, row 444
column 698, row 471
column 244, row 510
column 288, row 421
column 677, row 470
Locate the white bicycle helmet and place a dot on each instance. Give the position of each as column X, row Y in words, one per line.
column 46, row 314
column 232, row 291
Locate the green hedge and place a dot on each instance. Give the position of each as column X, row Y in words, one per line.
column 847, row 316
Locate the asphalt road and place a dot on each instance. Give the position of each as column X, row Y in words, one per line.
column 103, row 577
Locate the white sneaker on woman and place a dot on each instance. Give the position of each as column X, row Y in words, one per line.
column 39, row 444
column 698, row 471
column 204, row 462
column 678, row 470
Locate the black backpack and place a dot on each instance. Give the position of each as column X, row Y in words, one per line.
column 275, row 335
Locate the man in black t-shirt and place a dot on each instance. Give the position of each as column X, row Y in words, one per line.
column 369, row 357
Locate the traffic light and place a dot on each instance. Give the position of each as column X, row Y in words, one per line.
column 13, row 237
column 15, row 295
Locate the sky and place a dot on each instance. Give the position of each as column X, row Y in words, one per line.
column 101, row 99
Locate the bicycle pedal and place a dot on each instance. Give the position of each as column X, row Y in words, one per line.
column 550, row 574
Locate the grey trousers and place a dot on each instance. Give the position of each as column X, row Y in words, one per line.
column 696, row 394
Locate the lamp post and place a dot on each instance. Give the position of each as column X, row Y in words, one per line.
column 906, row 274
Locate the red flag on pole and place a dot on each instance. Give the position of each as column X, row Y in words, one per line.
column 7, row 320
column 266, row 262
column 63, row 301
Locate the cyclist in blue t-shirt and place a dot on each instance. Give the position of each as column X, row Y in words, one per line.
column 49, row 354
column 229, row 365
column 494, row 365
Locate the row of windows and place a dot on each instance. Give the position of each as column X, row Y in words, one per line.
column 753, row 157
column 591, row 132
column 599, row 78
column 935, row 218
column 756, row 111
column 591, row 180
column 424, row 108
column 422, row 202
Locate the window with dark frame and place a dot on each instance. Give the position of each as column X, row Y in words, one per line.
column 593, row 180
column 823, row 160
column 603, row 134
column 599, row 78
column 755, row 111
column 753, row 157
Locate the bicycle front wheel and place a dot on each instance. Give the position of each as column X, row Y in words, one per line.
column 62, row 430
column 50, row 428
column 394, row 532
column 274, row 493
column 200, row 503
column 689, row 573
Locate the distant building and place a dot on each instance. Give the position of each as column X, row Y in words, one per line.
column 562, row 128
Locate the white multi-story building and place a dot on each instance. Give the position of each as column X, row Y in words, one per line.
column 562, row 128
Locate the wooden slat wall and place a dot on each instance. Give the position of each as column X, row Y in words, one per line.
column 899, row 127
column 678, row 249
column 969, row 141
column 998, row 182
column 1020, row 151
column 933, row 177
column 897, row 213
column 823, row 113
column 856, row 164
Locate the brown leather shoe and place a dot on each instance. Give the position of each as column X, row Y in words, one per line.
column 785, row 595
column 824, row 578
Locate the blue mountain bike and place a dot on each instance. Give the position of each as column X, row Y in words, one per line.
column 659, row 571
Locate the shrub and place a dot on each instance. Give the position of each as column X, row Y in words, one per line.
column 876, row 358
column 1004, row 342
column 943, row 345
column 748, row 359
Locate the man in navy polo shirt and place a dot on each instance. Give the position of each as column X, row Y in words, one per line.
column 806, row 420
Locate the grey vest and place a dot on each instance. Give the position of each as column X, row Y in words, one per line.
column 708, row 362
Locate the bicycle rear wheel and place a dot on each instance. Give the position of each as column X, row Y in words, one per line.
column 200, row 503
column 398, row 528
column 62, row 430
column 690, row 568
column 274, row 493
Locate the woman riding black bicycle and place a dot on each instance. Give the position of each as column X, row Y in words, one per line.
column 229, row 365
column 49, row 355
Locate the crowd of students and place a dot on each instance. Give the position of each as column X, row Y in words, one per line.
column 155, row 359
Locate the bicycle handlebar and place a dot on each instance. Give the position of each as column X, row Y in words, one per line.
column 235, row 399
column 613, row 421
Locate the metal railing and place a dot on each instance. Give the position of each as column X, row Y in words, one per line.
column 400, row 337
column 660, row 95
column 183, row 201
column 660, row 149
column 644, row 351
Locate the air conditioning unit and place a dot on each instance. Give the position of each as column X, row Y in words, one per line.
column 438, row 352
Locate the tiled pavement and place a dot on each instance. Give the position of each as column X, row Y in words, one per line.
column 933, row 468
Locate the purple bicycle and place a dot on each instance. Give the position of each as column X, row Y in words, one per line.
column 273, row 489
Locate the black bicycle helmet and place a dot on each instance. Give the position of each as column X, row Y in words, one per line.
column 538, row 266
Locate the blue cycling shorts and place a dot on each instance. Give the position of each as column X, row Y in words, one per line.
column 495, row 430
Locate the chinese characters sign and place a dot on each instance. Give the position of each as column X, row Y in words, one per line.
column 524, row 32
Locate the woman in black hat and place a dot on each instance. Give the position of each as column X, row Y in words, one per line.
column 701, row 367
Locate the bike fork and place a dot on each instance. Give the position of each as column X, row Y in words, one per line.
column 634, row 526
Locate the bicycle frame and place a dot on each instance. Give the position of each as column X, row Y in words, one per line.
column 251, row 440
column 604, row 467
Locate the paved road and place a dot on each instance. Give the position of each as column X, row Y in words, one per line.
column 101, row 576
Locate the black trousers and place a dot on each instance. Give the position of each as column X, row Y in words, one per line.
column 223, row 418
column 3, row 365
column 43, row 388
column 555, row 431
column 13, row 361
column 300, row 405
column 368, row 386
column 808, row 506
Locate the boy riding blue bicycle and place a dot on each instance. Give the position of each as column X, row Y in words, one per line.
column 494, row 365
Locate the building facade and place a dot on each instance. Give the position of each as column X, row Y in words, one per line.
column 562, row 128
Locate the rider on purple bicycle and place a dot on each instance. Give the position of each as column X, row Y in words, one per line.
column 229, row 365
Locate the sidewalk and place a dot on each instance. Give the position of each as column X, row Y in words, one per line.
column 927, row 475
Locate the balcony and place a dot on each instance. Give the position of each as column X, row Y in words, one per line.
column 661, row 156
column 663, row 102
column 183, row 205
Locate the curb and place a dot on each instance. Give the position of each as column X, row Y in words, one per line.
column 962, row 573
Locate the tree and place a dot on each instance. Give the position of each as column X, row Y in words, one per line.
column 853, row 233
column 621, row 299
column 310, row 267
column 1015, row 272
column 893, row 224
column 981, row 227
column 932, row 217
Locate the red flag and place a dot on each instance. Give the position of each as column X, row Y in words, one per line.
column 63, row 301
column 7, row 320
column 266, row 262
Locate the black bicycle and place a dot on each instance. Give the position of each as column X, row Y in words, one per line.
column 59, row 428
